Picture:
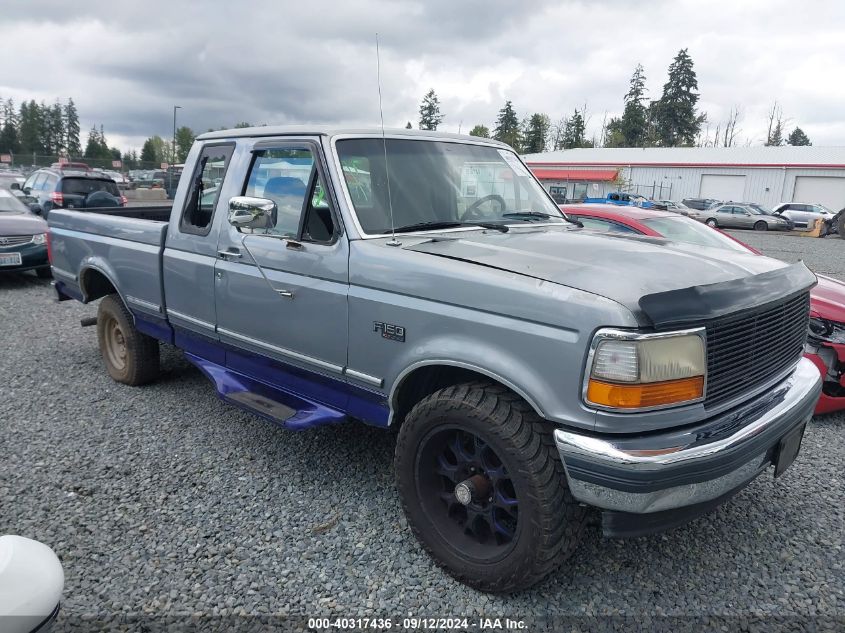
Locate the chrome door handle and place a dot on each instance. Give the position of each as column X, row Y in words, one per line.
column 229, row 253
column 285, row 293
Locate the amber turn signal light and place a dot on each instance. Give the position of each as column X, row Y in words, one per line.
column 641, row 396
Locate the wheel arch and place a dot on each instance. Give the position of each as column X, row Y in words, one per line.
column 95, row 283
column 425, row 377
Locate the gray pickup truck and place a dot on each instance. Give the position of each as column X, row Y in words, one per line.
column 427, row 283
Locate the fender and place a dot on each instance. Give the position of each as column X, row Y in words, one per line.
column 400, row 379
column 102, row 266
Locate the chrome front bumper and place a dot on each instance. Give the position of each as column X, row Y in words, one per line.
column 677, row 469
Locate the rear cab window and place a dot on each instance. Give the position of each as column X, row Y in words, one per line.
column 204, row 193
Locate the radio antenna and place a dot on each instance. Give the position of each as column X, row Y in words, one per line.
column 392, row 241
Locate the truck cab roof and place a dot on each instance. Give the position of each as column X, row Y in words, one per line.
column 317, row 130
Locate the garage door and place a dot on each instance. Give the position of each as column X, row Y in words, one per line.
column 726, row 188
column 827, row 190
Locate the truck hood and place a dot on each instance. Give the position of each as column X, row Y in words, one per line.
column 660, row 281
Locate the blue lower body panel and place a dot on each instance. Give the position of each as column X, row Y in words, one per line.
column 282, row 393
column 233, row 386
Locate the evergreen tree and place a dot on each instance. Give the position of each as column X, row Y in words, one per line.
column 71, row 124
column 54, row 129
column 480, row 130
column 154, row 151
column 573, row 133
column 676, row 120
column 430, row 116
column 184, row 139
column 798, row 137
column 92, row 147
column 630, row 130
column 29, row 128
column 536, row 133
column 9, row 132
column 507, row 127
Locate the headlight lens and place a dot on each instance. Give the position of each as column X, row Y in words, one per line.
column 39, row 238
column 825, row 330
column 638, row 372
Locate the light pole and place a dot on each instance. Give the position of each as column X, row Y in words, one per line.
column 173, row 155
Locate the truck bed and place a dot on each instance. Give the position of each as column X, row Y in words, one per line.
column 124, row 245
column 160, row 213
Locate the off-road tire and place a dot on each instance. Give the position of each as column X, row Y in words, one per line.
column 761, row 226
column 711, row 222
column 141, row 353
column 550, row 520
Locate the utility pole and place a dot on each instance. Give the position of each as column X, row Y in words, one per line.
column 173, row 154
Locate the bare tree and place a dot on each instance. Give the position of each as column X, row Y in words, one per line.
column 557, row 132
column 774, row 135
column 730, row 135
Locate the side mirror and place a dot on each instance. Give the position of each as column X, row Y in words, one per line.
column 16, row 186
column 246, row 212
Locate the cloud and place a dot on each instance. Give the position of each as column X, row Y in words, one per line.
column 272, row 62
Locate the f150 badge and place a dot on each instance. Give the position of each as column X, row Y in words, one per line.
column 390, row 331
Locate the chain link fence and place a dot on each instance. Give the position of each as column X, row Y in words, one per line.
column 27, row 163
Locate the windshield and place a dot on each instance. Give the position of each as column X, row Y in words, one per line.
column 683, row 229
column 759, row 209
column 434, row 182
column 10, row 204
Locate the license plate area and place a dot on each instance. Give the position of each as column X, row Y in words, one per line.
column 10, row 259
column 787, row 449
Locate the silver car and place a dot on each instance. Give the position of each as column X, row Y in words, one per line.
column 743, row 216
column 803, row 214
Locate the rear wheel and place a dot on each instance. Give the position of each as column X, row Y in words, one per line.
column 712, row 222
column 483, row 487
column 761, row 226
column 130, row 356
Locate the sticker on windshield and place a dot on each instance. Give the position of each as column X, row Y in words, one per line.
column 514, row 162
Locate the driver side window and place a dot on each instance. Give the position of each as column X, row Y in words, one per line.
column 289, row 177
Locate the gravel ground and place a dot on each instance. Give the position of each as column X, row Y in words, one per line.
column 162, row 500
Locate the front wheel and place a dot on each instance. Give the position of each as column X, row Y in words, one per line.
column 761, row 226
column 130, row 356
column 483, row 487
column 711, row 222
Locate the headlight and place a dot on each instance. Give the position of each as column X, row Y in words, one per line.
column 825, row 330
column 39, row 238
column 630, row 371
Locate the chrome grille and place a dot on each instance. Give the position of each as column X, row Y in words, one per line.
column 14, row 240
column 746, row 350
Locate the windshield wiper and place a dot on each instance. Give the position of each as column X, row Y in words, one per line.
column 431, row 226
column 528, row 215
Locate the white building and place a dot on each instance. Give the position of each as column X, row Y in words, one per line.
column 767, row 175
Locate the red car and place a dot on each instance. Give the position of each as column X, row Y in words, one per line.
column 826, row 338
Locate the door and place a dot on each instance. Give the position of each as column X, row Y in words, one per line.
column 724, row 215
column 826, row 190
column 190, row 254
column 723, row 187
column 281, row 292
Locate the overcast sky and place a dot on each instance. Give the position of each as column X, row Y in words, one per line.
column 276, row 62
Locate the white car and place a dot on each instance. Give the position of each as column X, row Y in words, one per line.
column 803, row 214
column 31, row 583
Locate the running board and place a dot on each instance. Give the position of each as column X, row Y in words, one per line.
column 272, row 403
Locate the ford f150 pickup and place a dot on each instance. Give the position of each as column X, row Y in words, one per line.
column 426, row 282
